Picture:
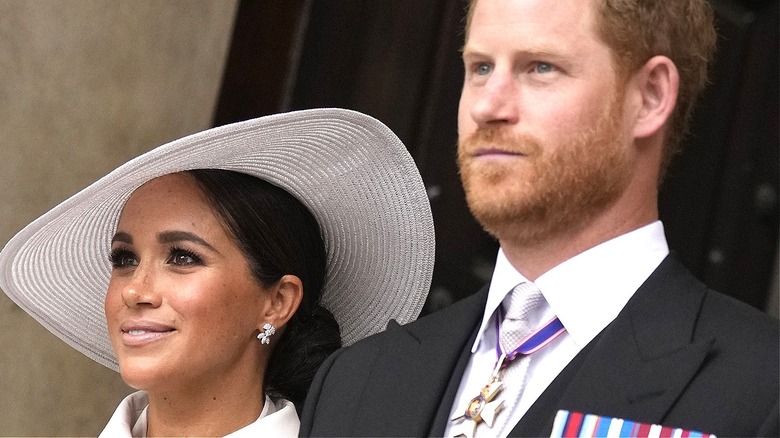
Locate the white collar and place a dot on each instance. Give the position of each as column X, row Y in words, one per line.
column 587, row 291
column 276, row 419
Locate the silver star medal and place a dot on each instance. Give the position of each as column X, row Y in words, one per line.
column 482, row 408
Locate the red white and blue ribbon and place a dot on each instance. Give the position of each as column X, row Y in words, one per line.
column 578, row 425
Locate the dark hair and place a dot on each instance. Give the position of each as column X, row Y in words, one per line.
column 279, row 236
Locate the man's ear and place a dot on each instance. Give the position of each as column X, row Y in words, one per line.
column 283, row 300
column 657, row 84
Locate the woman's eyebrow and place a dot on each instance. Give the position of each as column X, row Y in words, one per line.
column 123, row 237
column 178, row 236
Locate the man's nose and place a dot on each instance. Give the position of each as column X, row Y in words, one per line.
column 496, row 101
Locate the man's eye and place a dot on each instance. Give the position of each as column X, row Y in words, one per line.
column 121, row 258
column 483, row 69
column 543, row 67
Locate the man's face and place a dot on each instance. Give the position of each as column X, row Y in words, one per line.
column 542, row 139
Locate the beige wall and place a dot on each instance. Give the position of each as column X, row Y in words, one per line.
column 85, row 85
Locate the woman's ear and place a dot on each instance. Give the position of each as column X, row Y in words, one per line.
column 283, row 300
column 657, row 84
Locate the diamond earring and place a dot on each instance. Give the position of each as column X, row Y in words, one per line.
column 268, row 331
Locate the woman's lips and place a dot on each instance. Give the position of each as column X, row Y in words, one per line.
column 139, row 333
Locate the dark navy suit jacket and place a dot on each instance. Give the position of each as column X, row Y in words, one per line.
column 678, row 354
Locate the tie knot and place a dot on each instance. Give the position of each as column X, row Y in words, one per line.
column 518, row 305
column 524, row 298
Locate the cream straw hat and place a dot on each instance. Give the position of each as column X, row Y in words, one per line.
column 350, row 170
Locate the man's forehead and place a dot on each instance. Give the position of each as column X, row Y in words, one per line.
column 487, row 14
column 530, row 26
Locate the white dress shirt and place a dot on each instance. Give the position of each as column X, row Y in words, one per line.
column 586, row 292
column 276, row 419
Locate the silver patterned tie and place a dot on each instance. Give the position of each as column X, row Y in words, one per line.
column 518, row 305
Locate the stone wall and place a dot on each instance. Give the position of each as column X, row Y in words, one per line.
column 84, row 86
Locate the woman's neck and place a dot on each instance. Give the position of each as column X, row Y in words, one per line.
column 214, row 409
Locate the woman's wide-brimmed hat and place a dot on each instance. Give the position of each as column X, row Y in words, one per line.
column 351, row 171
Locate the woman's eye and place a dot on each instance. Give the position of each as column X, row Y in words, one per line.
column 181, row 257
column 122, row 258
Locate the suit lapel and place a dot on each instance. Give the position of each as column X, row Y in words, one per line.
column 638, row 366
column 413, row 373
column 442, row 416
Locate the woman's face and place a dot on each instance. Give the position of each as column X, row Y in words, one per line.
column 182, row 306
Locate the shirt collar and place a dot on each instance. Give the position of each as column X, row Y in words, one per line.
column 587, row 291
column 276, row 418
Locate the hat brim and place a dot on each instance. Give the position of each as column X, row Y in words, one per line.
column 351, row 171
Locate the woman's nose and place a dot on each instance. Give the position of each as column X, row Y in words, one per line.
column 141, row 291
